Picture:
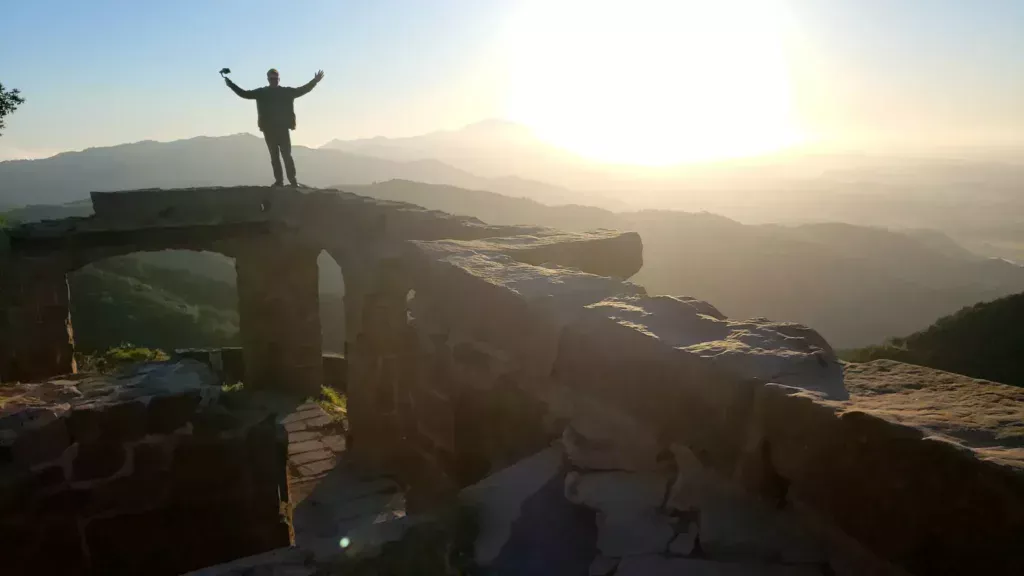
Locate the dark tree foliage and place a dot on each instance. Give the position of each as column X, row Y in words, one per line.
column 9, row 102
column 982, row 341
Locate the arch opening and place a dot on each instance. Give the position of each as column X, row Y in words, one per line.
column 157, row 301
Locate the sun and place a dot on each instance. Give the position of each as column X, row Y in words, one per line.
column 653, row 82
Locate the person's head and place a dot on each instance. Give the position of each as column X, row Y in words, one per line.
column 273, row 78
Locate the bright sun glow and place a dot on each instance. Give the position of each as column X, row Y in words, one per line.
column 653, row 81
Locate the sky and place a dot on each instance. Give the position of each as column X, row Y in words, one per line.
column 645, row 80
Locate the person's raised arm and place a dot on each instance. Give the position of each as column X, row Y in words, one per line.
column 247, row 94
column 305, row 88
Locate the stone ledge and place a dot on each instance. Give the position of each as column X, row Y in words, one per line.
column 762, row 403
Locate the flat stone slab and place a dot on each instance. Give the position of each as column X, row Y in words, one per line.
column 296, row 426
column 985, row 416
column 301, row 415
column 319, row 421
column 307, row 446
column 335, row 442
column 657, row 565
column 317, row 467
column 299, row 437
column 307, row 457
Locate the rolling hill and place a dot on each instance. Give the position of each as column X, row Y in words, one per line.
column 981, row 341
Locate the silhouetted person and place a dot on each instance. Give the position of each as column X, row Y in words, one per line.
column 275, row 105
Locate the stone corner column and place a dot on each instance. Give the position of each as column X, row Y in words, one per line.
column 279, row 315
column 378, row 356
column 36, row 337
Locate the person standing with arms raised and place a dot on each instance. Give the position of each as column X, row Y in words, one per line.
column 276, row 110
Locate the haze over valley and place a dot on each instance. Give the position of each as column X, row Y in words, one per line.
column 867, row 250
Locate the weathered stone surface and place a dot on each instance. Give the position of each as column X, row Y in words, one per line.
column 733, row 525
column 685, row 542
column 551, row 537
column 938, row 496
column 281, row 562
column 601, row 252
column 654, row 565
column 603, row 566
column 785, row 353
column 307, row 446
column 600, row 437
column 498, row 499
column 630, row 520
column 984, row 416
column 300, row 458
column 41, row 440
column 98, row 460
column 168, row 413
column 152, row 458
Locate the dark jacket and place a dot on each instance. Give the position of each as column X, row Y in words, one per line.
column 274, row 104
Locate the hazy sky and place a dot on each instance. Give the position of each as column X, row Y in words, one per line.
column 105, row 72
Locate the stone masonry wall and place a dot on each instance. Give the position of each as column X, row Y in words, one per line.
column 279, row 315
column 703, row 444
column 151, row 473
column 36, row 338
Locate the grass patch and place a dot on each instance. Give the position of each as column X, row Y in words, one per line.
column 334, row 403
column 118, row 357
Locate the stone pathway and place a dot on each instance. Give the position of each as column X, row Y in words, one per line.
column 335, row 512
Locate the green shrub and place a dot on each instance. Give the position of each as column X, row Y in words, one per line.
column 118, row 357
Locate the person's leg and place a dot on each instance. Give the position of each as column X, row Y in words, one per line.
column 273, row 145
column 285, row 143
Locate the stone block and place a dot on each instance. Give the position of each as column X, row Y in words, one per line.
column 58, row 551
column 601, row 437
column 735, row 525
column 685, row 542
column 603, row 566
column 317, row 467
column 84, row 424
column 128, row 494
column 62, row 503
column 152, row 458
column 15, row 487
column 498, row 499
column 618, row 491
column 336, row 372
column 125, row 421
column 307, row 446
column 47, row 478
column 98, row 459
column 299, row 437
column 657, row 565
column 630, row 520
column 435, row 418
column 207, row 467
column 232, row 365
column 168, row 413
column 41, row 443
column 214, row 419
column 307, row 457
column 136, row 543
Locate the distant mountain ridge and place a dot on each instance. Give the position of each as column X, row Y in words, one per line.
column 856, row 285
column 227, row 161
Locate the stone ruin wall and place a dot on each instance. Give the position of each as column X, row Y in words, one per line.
column 694, row 438
column 155, row 474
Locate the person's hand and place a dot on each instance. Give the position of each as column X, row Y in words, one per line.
column 319, row 76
